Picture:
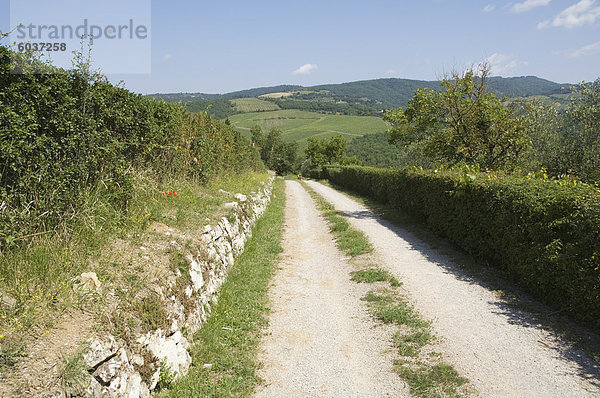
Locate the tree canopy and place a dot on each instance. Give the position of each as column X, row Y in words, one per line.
column 462, row 123
column 321, row 152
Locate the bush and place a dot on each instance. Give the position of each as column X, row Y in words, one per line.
column 68, row 132
column 544, row 233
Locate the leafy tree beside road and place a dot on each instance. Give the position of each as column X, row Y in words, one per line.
column 462, row 123
column 321, row 152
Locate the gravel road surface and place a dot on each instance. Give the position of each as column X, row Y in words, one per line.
column 321, row 341
column 504, row 352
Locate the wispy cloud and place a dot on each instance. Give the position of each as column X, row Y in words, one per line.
column 305, row 69
column 582, row 13
column 391, row 72
column 167, row 56
column 503, row 64
column 585, row 50
column 528, row 5
column 489, row 8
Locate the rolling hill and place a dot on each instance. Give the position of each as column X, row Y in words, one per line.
column 386, row 93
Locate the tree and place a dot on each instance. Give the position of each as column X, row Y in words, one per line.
column 462, row 123
column 284, row 158
column 315, row 151
column 257, row 136
column 276, row 154
column 269, row 143
column 321, row 152
column 546, row 150
column 581, row 137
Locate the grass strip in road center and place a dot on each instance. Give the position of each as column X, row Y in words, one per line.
column 349, row 240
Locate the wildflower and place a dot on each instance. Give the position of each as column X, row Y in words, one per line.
column 175, row 194
column 163, row 193
column 169, row 193
column 1, row 336
column 3, row 316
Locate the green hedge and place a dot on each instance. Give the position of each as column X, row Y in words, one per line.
column 64, row 133
column 545, row 234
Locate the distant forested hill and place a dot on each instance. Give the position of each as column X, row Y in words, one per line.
column 388, row 93
column 392, row 93
column 526, row 86
column 384, row 93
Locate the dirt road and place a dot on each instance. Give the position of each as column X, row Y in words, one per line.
column 504, row 352
column 321, row 342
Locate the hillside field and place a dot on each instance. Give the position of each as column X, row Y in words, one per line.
column 301, row 125
column 253, row 105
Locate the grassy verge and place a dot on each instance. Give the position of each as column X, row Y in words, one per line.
column 37, row 282
column 491, row 277
column 349, row 240
column 224, row 352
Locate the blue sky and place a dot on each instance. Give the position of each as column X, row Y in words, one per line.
column 221, row 46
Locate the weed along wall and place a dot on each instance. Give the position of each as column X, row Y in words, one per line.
column 134, row 369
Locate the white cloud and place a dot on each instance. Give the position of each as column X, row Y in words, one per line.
column 582, row 13
column 489, row 8
column 391, row 72
column 585, row 50
column 167, row 56
column 305, row 69
column 529, row 5
column 502, row 64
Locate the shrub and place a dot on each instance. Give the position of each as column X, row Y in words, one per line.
column 65, row 133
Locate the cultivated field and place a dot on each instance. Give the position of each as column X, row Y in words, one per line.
column 253, row 105
column 301, row 125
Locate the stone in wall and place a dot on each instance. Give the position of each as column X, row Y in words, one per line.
column 112, row 364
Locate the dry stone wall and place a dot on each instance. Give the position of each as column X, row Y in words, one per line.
column 118, row 369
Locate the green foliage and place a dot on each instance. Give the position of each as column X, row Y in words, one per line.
column 463, row 123
column 392, row 93
column 564, row 138
column 257, row 137
column 333, row 107
column 440, row 380
column 166, row 376
column 152, row 312
column 349, row 240
column 73, row 374
column 375, row 150
column 582, row 133
column 280, row 156
column 321, row 152
column 65, row 133
column 544, row 233
column 371, row 275
column 217, row 108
